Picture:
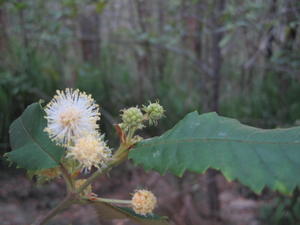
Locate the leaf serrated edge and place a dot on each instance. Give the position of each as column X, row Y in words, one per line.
column 20, row 120
column 258, row 190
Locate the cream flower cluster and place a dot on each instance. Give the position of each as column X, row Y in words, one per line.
column 143, row 202
column 90, row 151
column 72, row 122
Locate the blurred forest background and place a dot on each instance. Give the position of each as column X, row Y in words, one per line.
column 239, row 58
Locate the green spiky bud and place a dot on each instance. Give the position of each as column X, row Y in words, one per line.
column 132, row 118
column 154, row 112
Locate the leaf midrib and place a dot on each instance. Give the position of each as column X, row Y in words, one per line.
column 35, row 141
column 179, row 141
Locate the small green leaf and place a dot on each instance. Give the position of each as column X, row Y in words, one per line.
column 20, row 5
column 256, row 157
column 109, row 212
column 100, row 5
column 225, row 40
column 31, row 147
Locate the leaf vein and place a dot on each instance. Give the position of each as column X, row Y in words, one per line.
column 35, row 141
column 179, row 141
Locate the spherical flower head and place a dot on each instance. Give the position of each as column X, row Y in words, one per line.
column 143, row 202
column 154, row 111
column 87, row 190
column 70, row 114
column 132, row 118
column 89, row 151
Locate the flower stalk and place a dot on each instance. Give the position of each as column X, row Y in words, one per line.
column 64, row 204
column 118, row 158
column 68, row 179
column 112, row 201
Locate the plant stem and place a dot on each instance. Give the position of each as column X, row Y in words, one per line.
column 68, row 200
column 67, row 177
column 115, row 201
column 93, row 177
column 119, row 157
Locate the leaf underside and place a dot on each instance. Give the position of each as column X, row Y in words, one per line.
column 256, row 157
column 109, row 212
column 31, row 147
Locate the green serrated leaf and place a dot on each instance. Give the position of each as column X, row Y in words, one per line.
column 109, row 211
column 256, row 157
column 31, row 147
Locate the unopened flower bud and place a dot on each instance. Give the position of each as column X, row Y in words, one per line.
column 143, row 202
column 154, row 111
column 132, row 118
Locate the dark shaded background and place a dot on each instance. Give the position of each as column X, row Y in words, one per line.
column 240, row 58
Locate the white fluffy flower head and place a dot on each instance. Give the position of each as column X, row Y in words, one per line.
column 71, row 114
column 90, row 151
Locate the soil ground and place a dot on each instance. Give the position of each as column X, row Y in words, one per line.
column 182, row 200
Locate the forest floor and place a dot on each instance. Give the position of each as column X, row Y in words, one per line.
column 182, row 200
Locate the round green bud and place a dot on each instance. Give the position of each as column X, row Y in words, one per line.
column 154, row 112
column 132, row 118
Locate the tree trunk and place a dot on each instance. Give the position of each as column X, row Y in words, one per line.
column 216, row 54
column 23, row 29
column 271, row 38
column 212, row 186
column 162, row 54
column 3, row 36
column 143, row 56
column 90, row 36
column 287, row 47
